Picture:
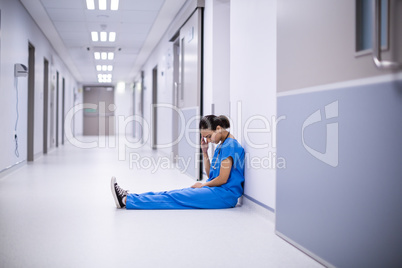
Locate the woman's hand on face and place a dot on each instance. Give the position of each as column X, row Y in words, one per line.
column 204, row 145
column 197, row 185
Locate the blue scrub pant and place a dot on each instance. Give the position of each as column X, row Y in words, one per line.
column 187, row 198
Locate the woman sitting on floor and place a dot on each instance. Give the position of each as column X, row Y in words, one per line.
column 223, row 187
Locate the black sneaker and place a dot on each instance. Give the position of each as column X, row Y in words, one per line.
column 118, row 193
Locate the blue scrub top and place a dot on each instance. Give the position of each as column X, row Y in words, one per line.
column 230, row 147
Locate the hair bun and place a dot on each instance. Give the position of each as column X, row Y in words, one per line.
column 212, row 122
column 225, row 123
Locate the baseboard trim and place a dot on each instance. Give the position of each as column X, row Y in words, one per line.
column 10, row 169
column 257, row 207
column 304, row 250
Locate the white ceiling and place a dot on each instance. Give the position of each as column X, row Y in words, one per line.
column 139, row 25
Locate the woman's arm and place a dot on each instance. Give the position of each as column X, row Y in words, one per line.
column 224, row 172
column 204, row 148
column 207, row 163
column 226, row 166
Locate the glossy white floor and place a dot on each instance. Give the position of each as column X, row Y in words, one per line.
column 59, row 212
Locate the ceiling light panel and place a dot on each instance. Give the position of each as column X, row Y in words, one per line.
column 91, row 4
column 94, row 36
column 104, row 68
column 114, row 5
column 102, row 5
column 104, row 56
column 112, row 36
column 103, row 36
column 104, row 78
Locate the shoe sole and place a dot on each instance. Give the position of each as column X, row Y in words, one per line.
column 116, row 200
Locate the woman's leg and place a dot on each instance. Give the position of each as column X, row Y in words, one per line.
column 187, row 198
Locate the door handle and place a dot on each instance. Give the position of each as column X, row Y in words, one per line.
column 381, row 64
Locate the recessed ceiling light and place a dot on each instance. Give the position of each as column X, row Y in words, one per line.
column 104, row 78
column 98, row 68
column 102, row 4
column 114, row 5
column 94, row 36
column 110, row 68
column 112, row 36
column 104, row 56
column 103, row 36
column 90, row 4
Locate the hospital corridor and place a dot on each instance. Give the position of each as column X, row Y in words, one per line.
column 200, row 133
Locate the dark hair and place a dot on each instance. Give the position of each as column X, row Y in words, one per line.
column 212, row 122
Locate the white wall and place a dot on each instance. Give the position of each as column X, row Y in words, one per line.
column 17, row 29
column 253, row 90
column 217, row 57
column 123, row 99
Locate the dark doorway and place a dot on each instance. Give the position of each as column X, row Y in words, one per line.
column 31, row 101
column 45, row 104
column 57, row 109
column 63, row 109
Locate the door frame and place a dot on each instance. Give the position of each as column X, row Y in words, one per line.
column 154, row 108
column 31, row 102
column 63, row 96
column 45, row 104
column 175, row 96
column 57, row 109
